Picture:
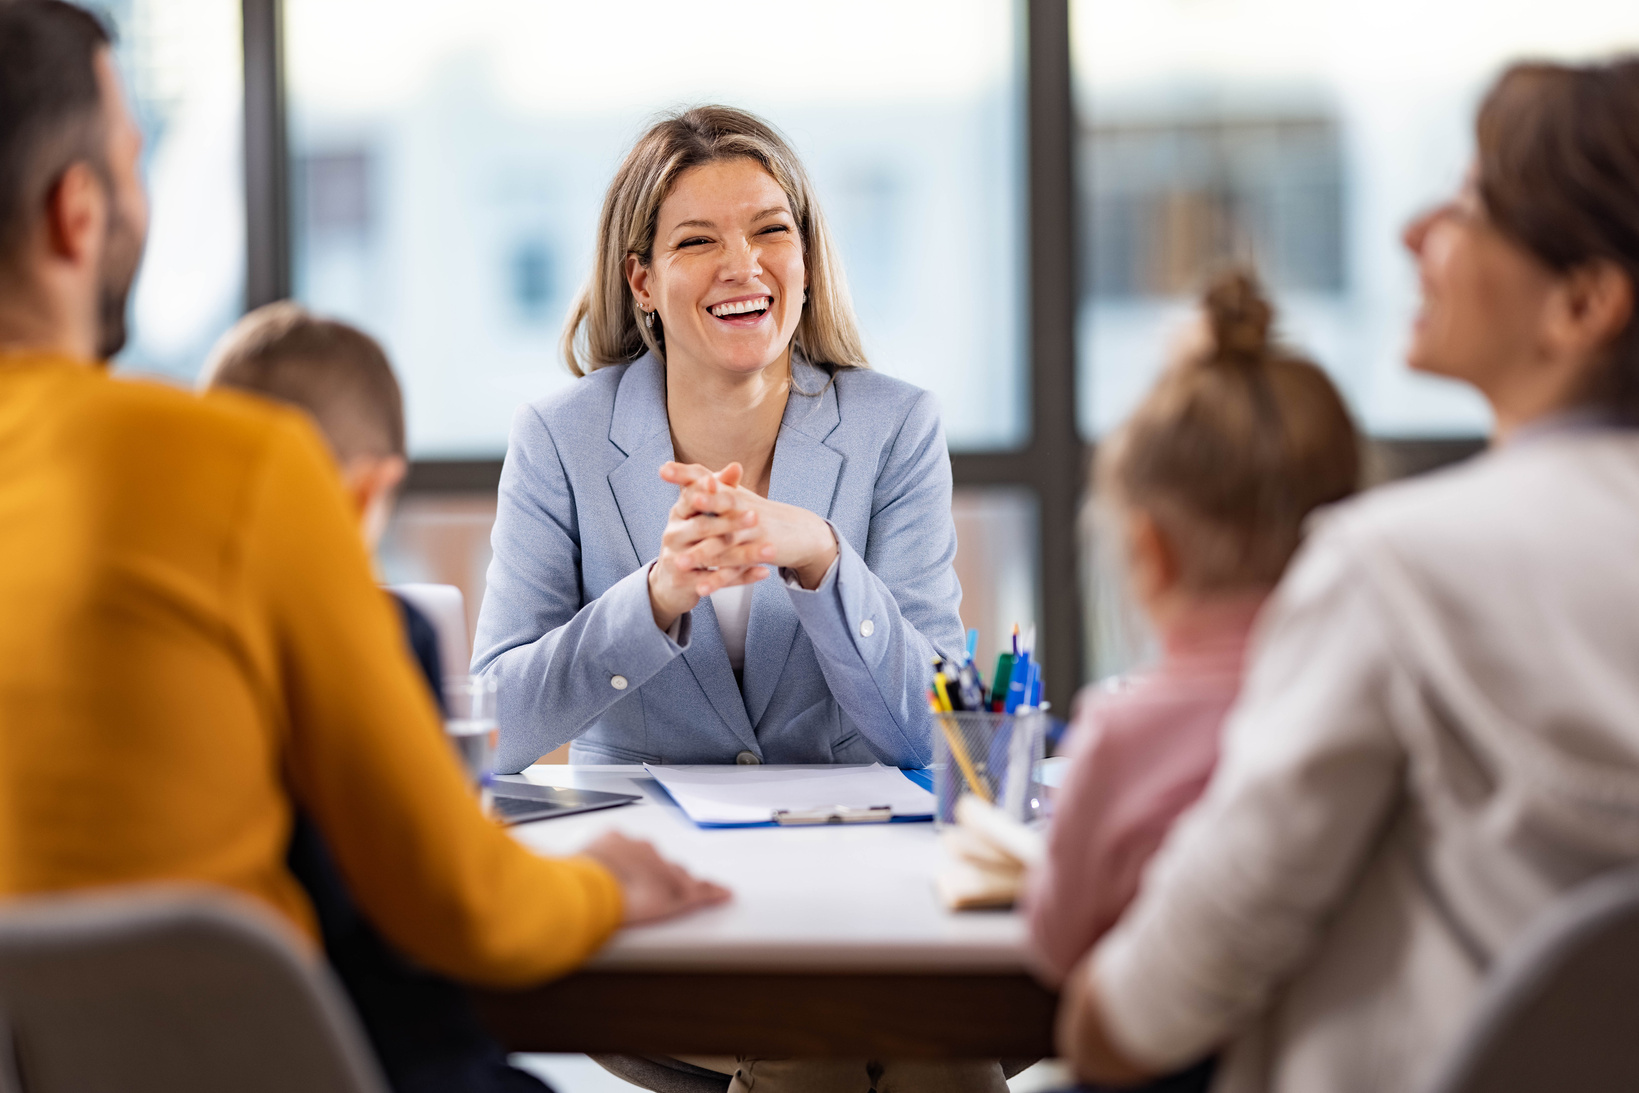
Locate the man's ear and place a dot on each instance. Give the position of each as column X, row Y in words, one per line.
column 76, row 216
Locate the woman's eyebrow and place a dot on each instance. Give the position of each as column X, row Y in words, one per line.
column 772, row 210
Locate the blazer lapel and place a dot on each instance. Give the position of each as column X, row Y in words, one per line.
column 641, row 429
column 805, row 474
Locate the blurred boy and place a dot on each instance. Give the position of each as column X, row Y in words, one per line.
column 421, row 1025
column 340, row 376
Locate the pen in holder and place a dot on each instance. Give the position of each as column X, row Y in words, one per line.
column 993, row 756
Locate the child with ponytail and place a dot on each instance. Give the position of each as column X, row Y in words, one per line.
column 1210, row 481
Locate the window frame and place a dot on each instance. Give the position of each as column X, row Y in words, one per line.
column 1053, row 462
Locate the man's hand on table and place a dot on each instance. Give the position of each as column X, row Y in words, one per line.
column 653, row 887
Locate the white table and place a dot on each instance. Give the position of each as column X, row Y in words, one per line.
column 835, row 944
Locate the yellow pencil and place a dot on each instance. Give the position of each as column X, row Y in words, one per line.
column 943, row 694
column 959, row 752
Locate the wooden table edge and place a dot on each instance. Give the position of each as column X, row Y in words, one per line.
column 793, row 1014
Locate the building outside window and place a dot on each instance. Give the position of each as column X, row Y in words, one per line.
column 183, row 69
column 1301, row 135
column 448, row 171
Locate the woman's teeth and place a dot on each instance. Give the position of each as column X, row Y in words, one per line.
column 741, row 307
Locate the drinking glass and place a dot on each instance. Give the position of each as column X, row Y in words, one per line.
column 472, row 725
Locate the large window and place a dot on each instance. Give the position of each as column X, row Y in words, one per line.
column 181, row 60
column 1300, row 135
column 447, row 165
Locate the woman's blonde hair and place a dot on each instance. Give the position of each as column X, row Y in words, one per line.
column 1238, row 442
column 607, row 327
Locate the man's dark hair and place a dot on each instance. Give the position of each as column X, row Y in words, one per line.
column 336, row 372
column 51, row 110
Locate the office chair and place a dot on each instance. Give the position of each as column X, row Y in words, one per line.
column 1558, row 1011
column 169, row 989
column 446, row 609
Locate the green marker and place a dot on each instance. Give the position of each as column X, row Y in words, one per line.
column 999, row 681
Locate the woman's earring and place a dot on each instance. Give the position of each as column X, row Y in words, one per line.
column 648, row 318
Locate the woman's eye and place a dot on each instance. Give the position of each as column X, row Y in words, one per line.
column 695, row 242
column 774, row 228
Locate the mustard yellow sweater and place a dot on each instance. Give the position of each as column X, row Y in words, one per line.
column 190, row 638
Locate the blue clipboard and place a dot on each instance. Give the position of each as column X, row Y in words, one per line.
column 921, row 777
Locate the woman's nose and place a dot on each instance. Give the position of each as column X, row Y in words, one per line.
column 741, row 262
column 1416, row 232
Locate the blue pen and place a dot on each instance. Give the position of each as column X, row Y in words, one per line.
column 972, row 644
column 1035, row 686
column 1018, row 692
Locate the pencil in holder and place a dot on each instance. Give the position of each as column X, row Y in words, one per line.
column 993, row 756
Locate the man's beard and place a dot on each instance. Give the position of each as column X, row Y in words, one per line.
column 122, row 253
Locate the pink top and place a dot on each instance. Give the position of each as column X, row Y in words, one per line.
column 1140, row 756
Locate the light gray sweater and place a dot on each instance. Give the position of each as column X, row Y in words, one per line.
column 1438, row 735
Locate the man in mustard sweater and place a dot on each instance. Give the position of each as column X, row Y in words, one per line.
column 190, row 638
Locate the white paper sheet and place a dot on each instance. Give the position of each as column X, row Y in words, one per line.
column 751, row 794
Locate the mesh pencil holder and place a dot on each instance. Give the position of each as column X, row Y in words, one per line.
column 994, row 756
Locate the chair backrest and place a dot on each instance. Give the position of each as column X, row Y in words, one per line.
column 174, row 989
column 446, row 609
column 1560, row 1009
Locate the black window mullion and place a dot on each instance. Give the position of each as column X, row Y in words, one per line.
column 1050, row 466
column 267, row 156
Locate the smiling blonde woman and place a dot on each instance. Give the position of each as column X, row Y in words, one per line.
column 726, row 430
column 729, row 540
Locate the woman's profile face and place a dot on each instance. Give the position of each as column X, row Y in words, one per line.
column 727, row 274
column 1483, row 295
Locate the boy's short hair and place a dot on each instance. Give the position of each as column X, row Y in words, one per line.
column 334, row 371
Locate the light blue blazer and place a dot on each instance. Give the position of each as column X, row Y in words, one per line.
column 839, row 674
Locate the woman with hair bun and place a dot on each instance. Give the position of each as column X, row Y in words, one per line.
column 1208, row 483
column 1438, row 734
column 725, row 428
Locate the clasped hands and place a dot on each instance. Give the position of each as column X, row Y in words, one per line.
column 721, row 534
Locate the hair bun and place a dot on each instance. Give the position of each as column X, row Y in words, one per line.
column 1238, row 315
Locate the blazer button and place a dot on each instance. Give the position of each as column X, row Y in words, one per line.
column 867, row 628
column 618, row 682
column 747, row 759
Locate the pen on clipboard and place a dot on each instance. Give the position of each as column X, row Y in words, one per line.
column 841, row 814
